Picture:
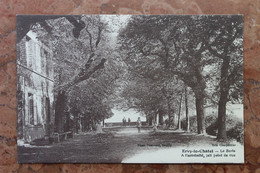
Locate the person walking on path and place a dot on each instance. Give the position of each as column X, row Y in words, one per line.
column 124, row 122
column 99, row 128
column 129, row 121
column 139, row 124
column 154, row 126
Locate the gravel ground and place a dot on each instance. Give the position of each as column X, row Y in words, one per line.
column 112, row 146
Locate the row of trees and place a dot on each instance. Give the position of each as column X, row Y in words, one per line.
column 168, row 55
column 86, row 69
column 156, row 64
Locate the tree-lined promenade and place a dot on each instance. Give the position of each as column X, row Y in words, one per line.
column 171, row 57
column 165, row 67
column 114, row 145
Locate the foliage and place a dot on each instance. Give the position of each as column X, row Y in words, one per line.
column 192, row 49
column 153, row 60
column 234, row 126
column 86, row 66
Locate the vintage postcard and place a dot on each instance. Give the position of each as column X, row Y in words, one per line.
column 130, row 89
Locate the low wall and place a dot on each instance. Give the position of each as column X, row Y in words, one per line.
column 112, row 124
column 31, row 133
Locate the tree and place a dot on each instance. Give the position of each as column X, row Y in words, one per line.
column 143, row 96
column 81, row 52
column 187, row 110
column 226, row 44
column 175, row 44
column 179, row 112
column 149, row 93
column 94, row 95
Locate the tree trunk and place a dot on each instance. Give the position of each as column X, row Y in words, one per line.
column 200, row 114
column 67, row 125
column 20, row 112
column 59, row 111
column 160, row 118
column 179, row 114
column 224, row 88
column 150, row 120
column 76, row 123
column 222, row 135
column 187, row 111
column 155, row 118
column 48, row 117
column 171, row 117
column 198, row 85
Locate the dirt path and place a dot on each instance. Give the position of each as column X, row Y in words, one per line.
column 112, row 146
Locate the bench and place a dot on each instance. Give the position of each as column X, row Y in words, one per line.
column 58, row 137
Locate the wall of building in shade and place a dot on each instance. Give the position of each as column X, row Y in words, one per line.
column 35, row 88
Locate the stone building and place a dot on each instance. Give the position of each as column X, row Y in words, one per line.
column 35, row 88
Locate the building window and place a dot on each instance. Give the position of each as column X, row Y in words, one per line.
column 31, row 109
column 46, row 56
column 30, row 51
column 43, row 61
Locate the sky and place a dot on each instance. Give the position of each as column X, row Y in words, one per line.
column 115, row 23
column 119, row 115
column 235, row 109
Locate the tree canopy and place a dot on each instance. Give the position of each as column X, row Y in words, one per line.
column 189, row 48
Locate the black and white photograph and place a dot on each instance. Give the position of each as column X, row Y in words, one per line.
column 130, row 89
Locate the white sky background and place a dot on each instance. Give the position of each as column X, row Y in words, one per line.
column 119, row 115
column 235, row 109
column 115, row 23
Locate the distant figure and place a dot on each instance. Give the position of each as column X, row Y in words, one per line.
column 124, row 122
column 164, row 126
column 99, row 128
column 139, row 124
column 129, row 121
column 154, row 126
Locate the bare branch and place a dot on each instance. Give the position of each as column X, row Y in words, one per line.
column 100, row 28
column 90, row 38
column 83, row 75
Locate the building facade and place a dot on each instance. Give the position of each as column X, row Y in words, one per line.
column 35, row 88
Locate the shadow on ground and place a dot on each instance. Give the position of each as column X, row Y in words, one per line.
column 112, row 146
